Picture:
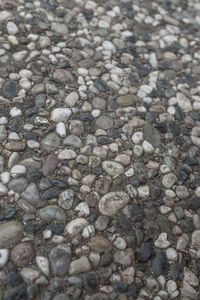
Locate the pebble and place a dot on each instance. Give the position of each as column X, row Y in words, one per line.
column 52, row 213
column 22, row 254
column 110, row 203
column 75, row 227
column 60, row 114
column 4, row 254
column 60, row 260
column 113, row 169
column 80, row 265
column 10, row 233
column 43, row 264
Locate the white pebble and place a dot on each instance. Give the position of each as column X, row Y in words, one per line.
column 61, row 129
column 18, row 170
column 4, row 254
column 15, row 112
column 5, row 177
column 148, row 148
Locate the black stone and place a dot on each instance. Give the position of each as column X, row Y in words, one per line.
column 91, row 282
column 193, row 203
column 162, row 127
column 10, row 89
column 159, row 264
column 136, row 213
column 14, row 279
column 134, row 181
column 30, row 112
column 57, row 229
column 56, row 284
column 35, row 226
column 101, row 86
column 195, row 116
column 34, row 176
column 120, row 287
column 175, row 270
column 113, row 133
column 179, row 113
column 36, row 69
column 7, row 214
column 174, row 128
column 151, row 116
column 49, row 194
column 16, row 124
column 124, row 223
column 133, row 292
column 182, row 176
column 187, row 225
column 144, row 253
column 86, row 117
column 103, row 140
column 18, row 293
column 93, row 216
column 111, row 105
column 59, row 183
column 97, row 171
column 30, row 136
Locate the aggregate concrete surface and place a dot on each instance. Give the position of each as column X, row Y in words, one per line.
column 99, row 149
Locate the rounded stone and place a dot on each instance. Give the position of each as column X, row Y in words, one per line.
column 105, row 122
column 112, row 202
column 60, row 260
column 22, row 254
column 91, row 282
column 51, row 213
column 50, row 142
column 10, row 233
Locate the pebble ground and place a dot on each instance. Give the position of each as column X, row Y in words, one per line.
column 99, row 149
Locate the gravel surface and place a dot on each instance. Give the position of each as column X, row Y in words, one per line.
column 99, row 149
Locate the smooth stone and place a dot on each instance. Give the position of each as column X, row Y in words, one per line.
column 22, row 254
column 50, row 194
column 104, row 122
column 19, row 292
column 34, row 176
column 51, row 213
column 31, row 194
column 100, row 244
column 124, row 257
column 195, row 243
column 18, row 185
column 175, row 270
column 10, row 89
column 66, row 199
column 144, row 253
column 60, row 260
column 169, row 180
column 187, row 225
column 29, row 274
column 152, row 135
column 60, row 114
column 43, row 264
column 4, row 254
column 127, row 100
column 162, row 241
column 112, row 168
column 3, row 133
column 80, row 265
column 188, row 291
column 3, row 189
column 159, row 264
column 67, row 154
column 50, row 142
column 50, row 165
column 112, row 202
column 14, row 145
column 10, row 233
column 73, row 141
column 76, row 226
column 183, row 102
column 59, row 183
column 61, row 297
column 91, row 282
